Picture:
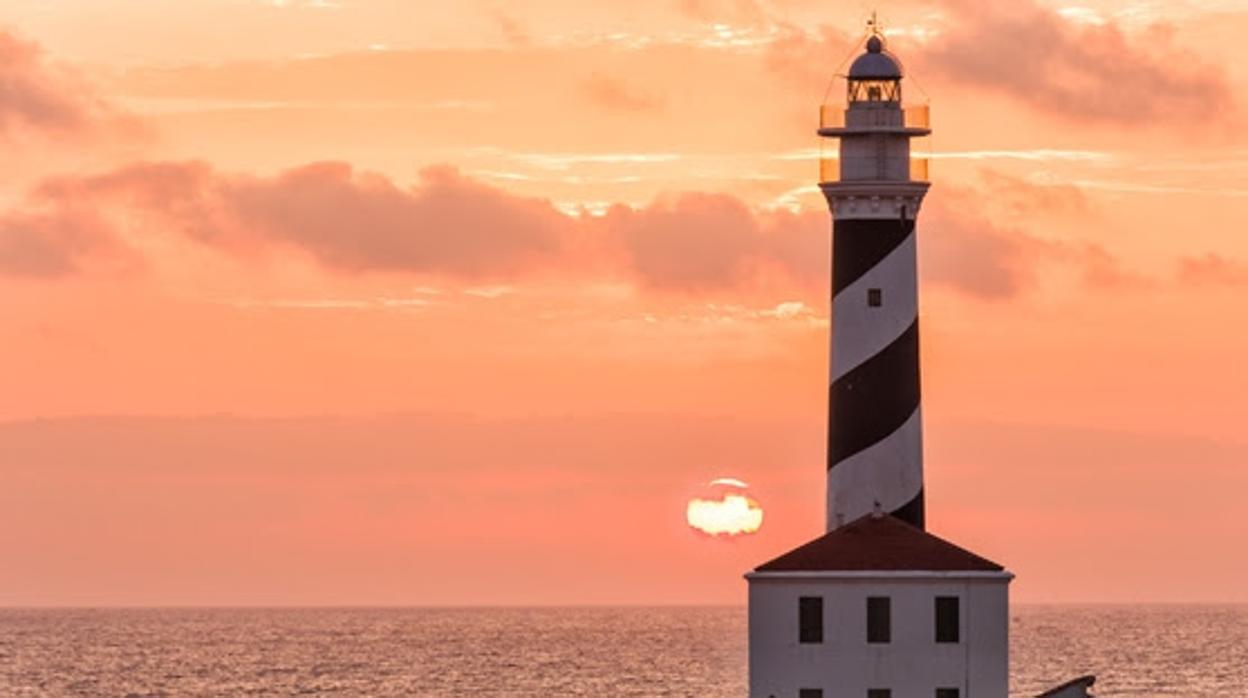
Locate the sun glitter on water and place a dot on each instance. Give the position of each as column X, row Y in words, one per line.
column 726, row 510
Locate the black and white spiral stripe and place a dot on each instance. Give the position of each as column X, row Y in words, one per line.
column 875, row 441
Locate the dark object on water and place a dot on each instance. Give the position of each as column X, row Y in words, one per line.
column 1075, row 688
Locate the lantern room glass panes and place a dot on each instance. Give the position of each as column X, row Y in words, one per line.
column 874, row 91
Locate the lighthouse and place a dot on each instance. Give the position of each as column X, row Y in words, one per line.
column 877, row 606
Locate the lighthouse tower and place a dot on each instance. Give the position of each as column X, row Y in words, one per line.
column 876, row 607
column 875, row 438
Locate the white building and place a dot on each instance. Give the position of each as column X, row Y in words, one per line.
column 879, row 609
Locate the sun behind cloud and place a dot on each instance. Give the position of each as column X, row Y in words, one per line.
column 727, row 512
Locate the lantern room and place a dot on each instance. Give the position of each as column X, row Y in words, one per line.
column 873, row 129
column 874, row 76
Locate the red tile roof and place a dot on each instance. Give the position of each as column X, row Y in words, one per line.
column 879, row 542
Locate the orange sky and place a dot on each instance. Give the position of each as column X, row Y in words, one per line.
column 376, row 302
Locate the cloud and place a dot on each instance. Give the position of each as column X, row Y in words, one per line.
column 511, row 29
column 974, row 256
column 804, row 58
column 694, row 240
column 612, row 93
column 357, row 221
column 450, row 225
column 37, row 96
column 1212, row 269
column 57, row 237
column 446, row 224
column 47, row 246
column 979, row 259
column 734, row 11
column 698, row 241
column 1088, row 71
column 963, row 249
column 347, row 220
column 1020, row 196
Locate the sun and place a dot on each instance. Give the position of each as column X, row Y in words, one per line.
column 727, row 510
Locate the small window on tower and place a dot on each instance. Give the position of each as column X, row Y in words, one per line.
column 879, row 619
column 947, row 693
column 875, row 297
column 810, row 619
column 879, row 693
column 947, row 619
column 810, row 693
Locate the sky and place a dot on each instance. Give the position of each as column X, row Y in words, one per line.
column 380, row 302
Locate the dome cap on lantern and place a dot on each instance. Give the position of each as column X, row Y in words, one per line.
column 875, row 64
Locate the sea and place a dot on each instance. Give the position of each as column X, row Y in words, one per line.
column 1188, row 651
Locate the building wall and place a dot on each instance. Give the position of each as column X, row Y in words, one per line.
column 912, row 665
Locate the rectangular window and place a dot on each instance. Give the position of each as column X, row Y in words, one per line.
column 879, row 619
column 810, row 693
column 810, row 619
column 947, row 611
column 875, row 297
column 879, row 693
column 946, row 693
